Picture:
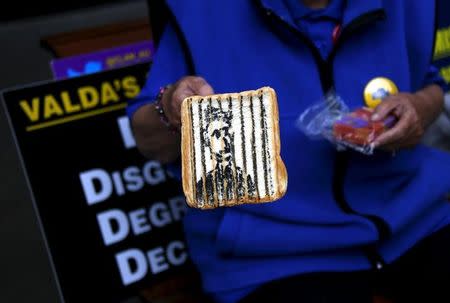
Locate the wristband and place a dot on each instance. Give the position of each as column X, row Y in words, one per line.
column 160, row 110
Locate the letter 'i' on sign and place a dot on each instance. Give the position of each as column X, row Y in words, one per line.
column 126, row 133
column 98, row 185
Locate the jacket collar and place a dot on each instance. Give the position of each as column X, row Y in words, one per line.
column 354, row 9
column 299, row 11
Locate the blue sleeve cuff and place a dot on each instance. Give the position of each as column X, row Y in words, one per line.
column 145, row 97
column 434, row 77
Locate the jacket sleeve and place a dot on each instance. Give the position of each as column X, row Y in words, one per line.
column 168, row 66
column 438, row 134
column 433, row 77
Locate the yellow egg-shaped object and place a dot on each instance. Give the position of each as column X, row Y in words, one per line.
column 378, row 89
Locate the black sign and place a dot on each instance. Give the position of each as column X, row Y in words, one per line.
column 111, row 218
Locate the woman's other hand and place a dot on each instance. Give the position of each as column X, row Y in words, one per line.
column 415, row 112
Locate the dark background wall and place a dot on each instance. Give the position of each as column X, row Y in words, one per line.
column 19, row 10
column 25, row 272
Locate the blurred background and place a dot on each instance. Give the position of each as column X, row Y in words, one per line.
column 25, row 274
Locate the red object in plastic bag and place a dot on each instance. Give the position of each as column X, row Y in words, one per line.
column 357, row 128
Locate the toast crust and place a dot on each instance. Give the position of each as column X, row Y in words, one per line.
column 187, row 168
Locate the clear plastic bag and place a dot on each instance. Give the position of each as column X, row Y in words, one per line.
column 331, row 119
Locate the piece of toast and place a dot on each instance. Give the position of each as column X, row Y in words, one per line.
column 230, row 149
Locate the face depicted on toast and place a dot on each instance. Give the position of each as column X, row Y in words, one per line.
column 219, row 135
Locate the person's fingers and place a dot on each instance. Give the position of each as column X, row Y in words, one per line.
column 385, row 108
column 408, row 128
column 411, row 139
column 190, row 86
column 199, row 86
column 168, row 106
column 184, row 88
column 398, row 133
column 178, row 95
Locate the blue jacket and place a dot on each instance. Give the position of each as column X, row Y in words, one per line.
column 342, row 211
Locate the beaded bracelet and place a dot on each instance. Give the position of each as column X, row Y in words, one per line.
column 160, row 110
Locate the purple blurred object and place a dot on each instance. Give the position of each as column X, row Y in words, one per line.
column 117, row 57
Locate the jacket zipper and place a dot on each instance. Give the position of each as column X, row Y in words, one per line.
column 341, row 162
